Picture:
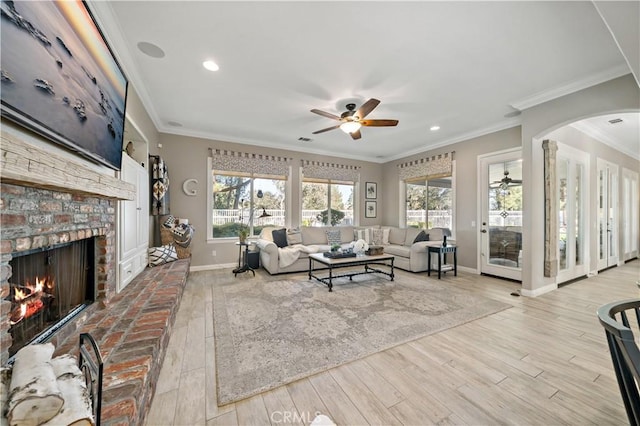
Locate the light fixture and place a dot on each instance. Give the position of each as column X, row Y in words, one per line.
column 434, row 128
column 210, row 65
column 264, row 214
column 350, row 126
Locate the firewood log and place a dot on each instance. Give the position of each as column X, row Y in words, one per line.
column 5, row 381
column 77, row 404
column 34, row 396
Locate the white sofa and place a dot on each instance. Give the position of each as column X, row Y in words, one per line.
column 409, row 256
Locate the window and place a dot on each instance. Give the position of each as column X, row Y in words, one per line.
column 246, row 200
column 429, row 203
column 327, row 202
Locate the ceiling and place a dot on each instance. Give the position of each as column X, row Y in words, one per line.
column 464, row 66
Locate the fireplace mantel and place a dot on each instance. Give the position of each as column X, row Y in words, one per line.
column 26, row 164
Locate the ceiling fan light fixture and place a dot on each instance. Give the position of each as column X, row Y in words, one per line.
column 350, row 126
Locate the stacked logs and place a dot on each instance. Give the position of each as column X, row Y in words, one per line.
column 39, row 390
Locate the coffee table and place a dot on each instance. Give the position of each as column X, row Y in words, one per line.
column 366, row 261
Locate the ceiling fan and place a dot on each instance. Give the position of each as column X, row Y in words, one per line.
column 351, row 120
column 505, row 182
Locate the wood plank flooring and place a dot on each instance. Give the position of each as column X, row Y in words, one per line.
column 542, row 362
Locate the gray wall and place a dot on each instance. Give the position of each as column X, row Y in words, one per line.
column 186, row 158
column 466, row 159
column 617, row 95
column 596, row 149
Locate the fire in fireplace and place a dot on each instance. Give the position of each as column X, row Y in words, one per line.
column 47, row 288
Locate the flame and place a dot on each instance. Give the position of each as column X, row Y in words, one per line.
column 34, row 295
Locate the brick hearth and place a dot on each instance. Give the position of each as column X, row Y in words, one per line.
column 132, row 334
column 47, row 199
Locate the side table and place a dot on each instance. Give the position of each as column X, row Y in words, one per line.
column 243, row 259
column 441, row 252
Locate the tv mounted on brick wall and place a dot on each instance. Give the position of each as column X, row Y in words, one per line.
column 61, row 80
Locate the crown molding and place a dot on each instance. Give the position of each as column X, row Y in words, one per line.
column 606, row 139
column 566, row 89
column 104, row 15
column 501, row 125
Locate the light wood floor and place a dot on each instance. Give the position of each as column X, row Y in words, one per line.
column 542, row 362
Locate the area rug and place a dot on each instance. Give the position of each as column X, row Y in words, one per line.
column 271, row 333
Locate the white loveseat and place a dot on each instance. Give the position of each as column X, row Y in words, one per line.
column 409, row 256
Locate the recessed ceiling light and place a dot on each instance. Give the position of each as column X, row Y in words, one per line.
column 150, row 49
column 210, row 65
column 434, row 128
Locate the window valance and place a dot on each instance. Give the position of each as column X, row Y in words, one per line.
column 325, row 170
column 428, row 167
column 234, row 161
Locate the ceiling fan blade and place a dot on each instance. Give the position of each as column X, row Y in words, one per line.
column 326, row 114
column 366, row 108
column 326, row 130
column 379, row 123
column 356, row 135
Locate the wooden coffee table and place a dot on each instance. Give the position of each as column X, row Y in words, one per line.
column 366, row 261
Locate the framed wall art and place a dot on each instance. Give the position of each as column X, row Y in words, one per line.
column 371, row 190
column 370, row 209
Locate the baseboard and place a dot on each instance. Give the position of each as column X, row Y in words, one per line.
column 468, row 270
column 539, row 291
column 212, row 267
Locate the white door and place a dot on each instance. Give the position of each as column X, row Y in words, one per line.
column 630, row 214
column 573, row 213
column 501, row 214
column 607, row 214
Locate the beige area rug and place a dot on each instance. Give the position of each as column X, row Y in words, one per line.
column 271, row 333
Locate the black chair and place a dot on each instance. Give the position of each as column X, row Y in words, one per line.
column 624, row 351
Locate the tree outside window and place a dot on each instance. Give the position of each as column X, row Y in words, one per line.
column 429, row 203
column 240, row 199
column 326, row 202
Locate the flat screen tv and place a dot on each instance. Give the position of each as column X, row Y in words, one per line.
column 60, row 79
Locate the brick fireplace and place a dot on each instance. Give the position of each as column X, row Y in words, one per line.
column 47, row 200
column 33, row 218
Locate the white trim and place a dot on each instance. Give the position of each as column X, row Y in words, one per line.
column 468, row 270
column 606, row 139
column 212, row 267
column 538, row 291
column 496, row 127
column 570, row 87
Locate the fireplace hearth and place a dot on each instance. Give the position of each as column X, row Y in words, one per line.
column 47, row 288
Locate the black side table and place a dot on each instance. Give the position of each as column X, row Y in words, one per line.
column 441, row 252
column 243, row 259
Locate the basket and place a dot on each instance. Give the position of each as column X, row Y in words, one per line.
column 375, row 250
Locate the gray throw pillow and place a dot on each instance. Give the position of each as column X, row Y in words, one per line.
column 422, row 236
column 280, row 237
column 333, row 237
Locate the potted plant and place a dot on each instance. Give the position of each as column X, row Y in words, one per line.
column 243, row 233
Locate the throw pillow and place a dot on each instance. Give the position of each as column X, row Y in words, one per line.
column 362, row 234
column 161, row 255
column 385, row 236
column 294, row 236
column 422, row 236
column 182, row 234
column 169, row 222
column 333, row 237
column 280, row 237
column 376, row 236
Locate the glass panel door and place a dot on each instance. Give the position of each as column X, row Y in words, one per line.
column 572, row 211
column 501, row 221
column 630, row 213
column 607, row 214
